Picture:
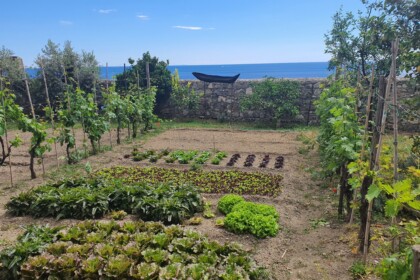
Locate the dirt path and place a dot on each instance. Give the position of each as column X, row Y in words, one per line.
column 311, row 244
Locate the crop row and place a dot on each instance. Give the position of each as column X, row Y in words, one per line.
column 231, row 181
column 180, row 156
column 93, row 198
column 131, row 250
column 201, row 157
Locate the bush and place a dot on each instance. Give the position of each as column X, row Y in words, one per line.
column 257, row 219
column 227, row 202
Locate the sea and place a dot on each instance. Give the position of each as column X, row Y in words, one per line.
column 246, row 71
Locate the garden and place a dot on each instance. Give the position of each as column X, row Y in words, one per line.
column 94, row 185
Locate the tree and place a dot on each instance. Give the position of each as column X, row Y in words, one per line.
column 12, row 75
column 160, row 76
column 357, row 42
column 66, row 68
column 279, row 98
column 184, row 97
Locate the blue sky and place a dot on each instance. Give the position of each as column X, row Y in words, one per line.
column 185, row 32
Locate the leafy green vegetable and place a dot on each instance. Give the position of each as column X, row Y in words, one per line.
column 151, row 251
column 227, row 202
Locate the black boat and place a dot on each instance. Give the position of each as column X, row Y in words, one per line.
column 215, row 79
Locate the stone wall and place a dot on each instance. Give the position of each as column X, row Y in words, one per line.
column 221, row 101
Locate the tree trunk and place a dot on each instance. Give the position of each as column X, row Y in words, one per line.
column 134, row 129
column 4, row 150
column 345, row 192
column 69, row 160
column 31, row 163
column 118, row 131
column 94, row 150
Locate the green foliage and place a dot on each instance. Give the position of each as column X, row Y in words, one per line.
column 149, row 250
column 355, row 42
column 202, row 158
column 183, row 97
column 279, row 98
column 357, row 270
column 118, row 215
column 169, row 203
column 30, row 243
column 91, row 198
column 249, row 217
column 9, row 112
column 397, row 266
column 340, row 133
column 160, row 76
column 207, row 212
column 227, row 202
column 231, row 181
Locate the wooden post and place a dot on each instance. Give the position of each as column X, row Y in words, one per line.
column 147, row 74
column 378, row 152
column 364, row 140
column 69, row 102
column 416, row 262
column 367, row 181
column 395, row 128
column 25, row 79
column 51, row 109
column 106, row 77
column 5, row 131
column 395, row 118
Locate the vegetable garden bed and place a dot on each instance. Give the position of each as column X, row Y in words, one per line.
column 206, row 157
column 231, row 181
column 131, row 250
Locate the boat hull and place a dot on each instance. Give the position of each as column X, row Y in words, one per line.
column 215, row 78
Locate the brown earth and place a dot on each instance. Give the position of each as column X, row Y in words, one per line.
column 312, row 244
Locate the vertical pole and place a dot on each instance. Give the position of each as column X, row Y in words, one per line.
column 395, row 117
column 364, row 140
column 51, row 109
column 416, row 262
column 107, row 76
column 5, row 130
column 148, row 74
column 125, row 79
column 378, row 152
column 25, row 78
column 395, row 128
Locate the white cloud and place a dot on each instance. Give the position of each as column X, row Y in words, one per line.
column 106, row 11
column 143, row 17
column 188, row 27
column 65, row 22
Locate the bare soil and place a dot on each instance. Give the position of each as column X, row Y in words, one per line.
column 303, row 249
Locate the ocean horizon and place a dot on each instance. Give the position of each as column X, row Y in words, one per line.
column 246, row 71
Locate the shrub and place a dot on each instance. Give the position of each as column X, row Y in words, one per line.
column 257, row 219
column 227, row 202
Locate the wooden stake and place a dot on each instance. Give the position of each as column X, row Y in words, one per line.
column 395, row 128
column 147, row 75
column 378, row 153
column 364, row 137
column 5, row 133
column 25, row 79
column 106, row 76
column 416, row 262
column 51, row 110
